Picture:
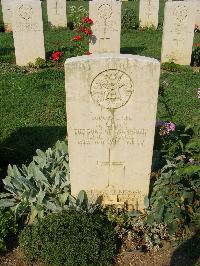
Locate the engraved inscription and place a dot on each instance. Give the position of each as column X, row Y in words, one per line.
column 181, row 16
column 102, row 133
column 111, row 89
column 105, row 11
column 58, row 8
column 130, row 200
column 25, row 19
column 148, row 9
column 25, row 12
column 104, row 25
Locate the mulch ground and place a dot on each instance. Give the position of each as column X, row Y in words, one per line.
column 166, row 256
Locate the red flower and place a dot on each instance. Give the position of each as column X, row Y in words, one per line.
column 88, row 53
column 57, row 55
column 87, row 31
column 77, row 38
column 90, row 21
column 87, row 20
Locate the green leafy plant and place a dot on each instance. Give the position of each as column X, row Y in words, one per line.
column 176, row 195
column 39, row 63
column 172, row 140
column 40, row 187
column 195, row 55
column 129, row 19
column 148, row 28
column 70, row 238
column 173, row 67
column 8, row 227
column 43, row 186
column 76, row 14
column 196, row 220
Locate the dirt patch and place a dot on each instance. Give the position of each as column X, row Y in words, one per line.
column 162, row 257
column 166, row 256
column 15, row 258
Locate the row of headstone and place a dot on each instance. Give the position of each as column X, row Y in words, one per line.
column 56, row 11
column 178, row 29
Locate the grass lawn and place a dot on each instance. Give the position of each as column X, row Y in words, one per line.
column 33, row 102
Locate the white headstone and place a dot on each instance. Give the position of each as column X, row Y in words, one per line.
column 7, row 13
column 197, row 20
column 148, row 13
column 178, row 32
column 197, row 17
column 106, row 15
column 56, row 10
column 111, row 113
column 28, row 31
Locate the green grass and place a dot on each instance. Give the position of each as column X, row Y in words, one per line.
column 33, row 102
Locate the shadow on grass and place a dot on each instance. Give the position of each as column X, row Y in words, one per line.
column 6, row 51
column 132, row 50
column 188, row 253
column 21, row 145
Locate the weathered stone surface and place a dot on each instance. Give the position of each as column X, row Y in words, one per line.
column 111, row 112
column 178, row 32
column 148, row 13
column 106, row 15
column 7, row 13
column 28, row 31
column 56, row 10
column 197, row 16
column 197, row 19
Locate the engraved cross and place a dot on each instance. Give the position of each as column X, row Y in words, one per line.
column 56, row 8
column 111, row 165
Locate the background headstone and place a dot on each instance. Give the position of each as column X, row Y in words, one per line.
column 28, row 31
column 178, row 32
column 7, row 13
column 106, row 15
column 57, row 14
column 148, row 13
column 197, row 18
column 111, row 113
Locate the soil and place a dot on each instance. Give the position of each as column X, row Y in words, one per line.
column 166, row 256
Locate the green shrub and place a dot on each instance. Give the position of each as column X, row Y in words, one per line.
column 196, row 219
column 8, row 227
column 171, row 140
column 173, row 67
column 76, row 15
column 129, row 19
column 70, row 238
column 196, row 55
column 176, row 195
column 39, row 63
column 41, row 187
